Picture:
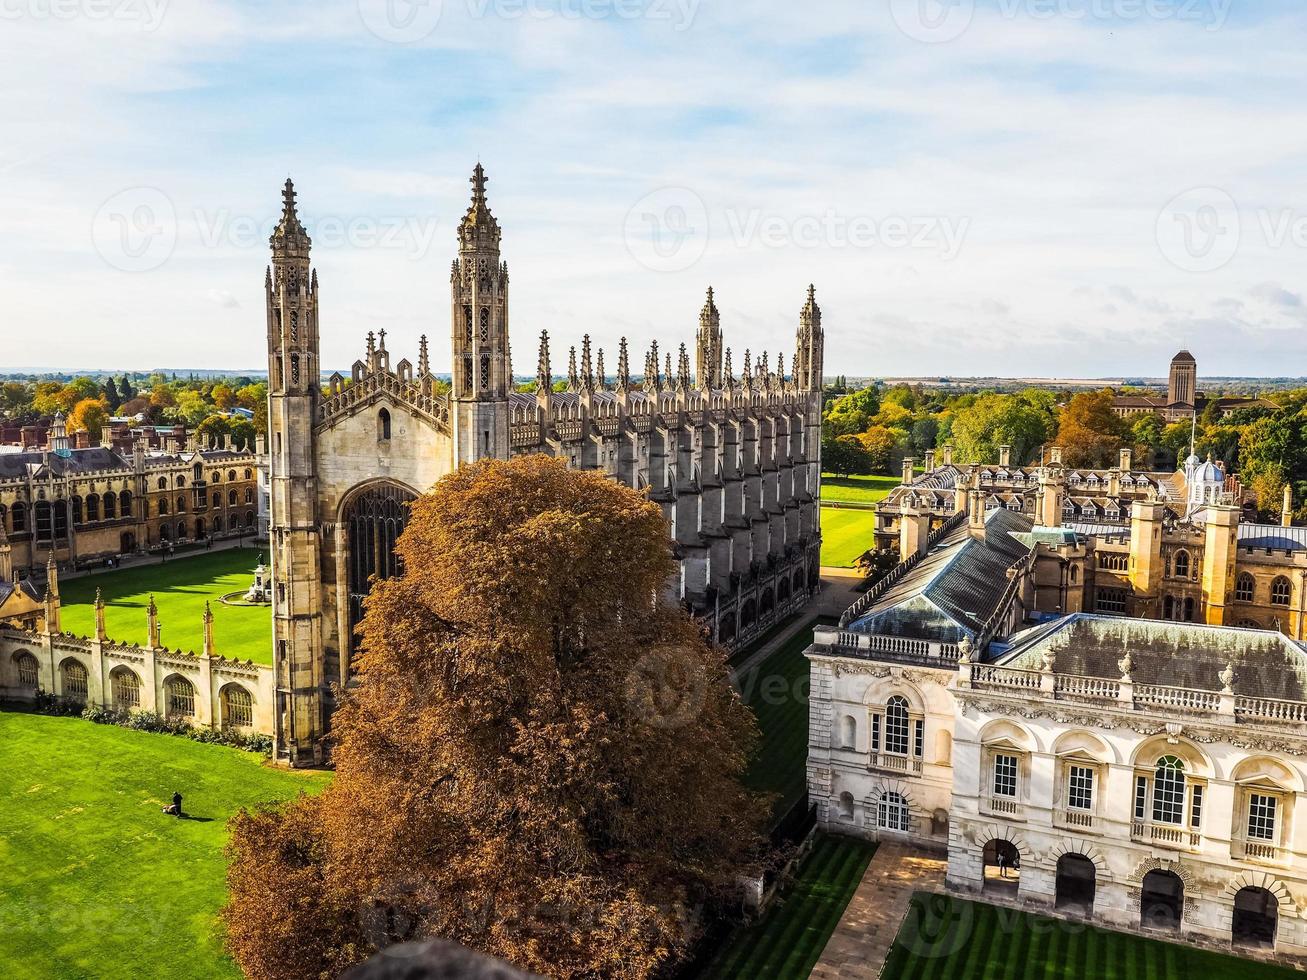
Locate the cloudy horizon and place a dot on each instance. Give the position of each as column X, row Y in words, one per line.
column 1045, row 188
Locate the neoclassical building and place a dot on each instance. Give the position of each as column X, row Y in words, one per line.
column 1075, row 714
column 734, row 461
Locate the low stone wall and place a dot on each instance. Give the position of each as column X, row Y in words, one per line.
column 148, row 679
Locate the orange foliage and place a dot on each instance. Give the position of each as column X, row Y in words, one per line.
column 541, row 761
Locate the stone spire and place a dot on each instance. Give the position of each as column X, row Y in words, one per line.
column 424, row 361
column 601, row 377
column 100, row 633
column 479, row 227
column 708, row 346
column 52, row 576
column 810, row 345
column 652, row 382
column 51, row 597
column 667, row 371
column 683, row 370
column 764, row 372
column 728, row 378
column 746, row 378
column 544, row 373
column 573, row 379
column 152, row 623
column 587, row 367
column 780, row 366
column 208, row 631
column 623, row 367
column 289, row 237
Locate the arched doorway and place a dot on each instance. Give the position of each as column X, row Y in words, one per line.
column 1002, row 865
column 126, row 543
column 1075, row 884
column 374, row 519
column 1256, row 914
column 1161, row 901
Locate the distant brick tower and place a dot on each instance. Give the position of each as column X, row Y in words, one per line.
column 295, row 533
column 482, row 367
column 708, row 346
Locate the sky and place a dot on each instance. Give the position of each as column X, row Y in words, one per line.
column 975, row 187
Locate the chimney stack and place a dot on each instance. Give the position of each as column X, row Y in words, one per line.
column 1055, row 456
column 1005, row 456
column 1127, row 460
column 1286, row 508
column 930, row 460
column 909, row 464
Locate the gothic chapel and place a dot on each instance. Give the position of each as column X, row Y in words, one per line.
column 733, row 461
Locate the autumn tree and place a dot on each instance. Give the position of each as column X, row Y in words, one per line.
column 879, row 442
column 1090, row 433
column 88, row 415
column 844, row 456
column 540, row 760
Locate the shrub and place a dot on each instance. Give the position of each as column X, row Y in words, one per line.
column 152, row 721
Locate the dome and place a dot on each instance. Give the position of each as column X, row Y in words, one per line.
column 1190, row 462
column 1209, row 472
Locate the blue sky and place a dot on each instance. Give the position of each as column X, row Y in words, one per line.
column 1016, row 187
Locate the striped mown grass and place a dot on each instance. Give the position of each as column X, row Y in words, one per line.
column 777, row 691
column 947, row 938
column 787, row 941
column 845, row 535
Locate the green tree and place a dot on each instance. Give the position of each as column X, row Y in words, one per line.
column 879, row 443
column 994, row 420
column 853, row 413
column 844, row 455
column 211, row 428
column 109, row 391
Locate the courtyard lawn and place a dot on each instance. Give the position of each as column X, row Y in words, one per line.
column 845, row 535
column 180, row 587
column 857, row 489
column 787, row 941
column 98, row 882
column 777, row 691
column 946, row 937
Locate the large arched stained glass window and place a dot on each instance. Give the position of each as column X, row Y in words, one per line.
column 374, row 520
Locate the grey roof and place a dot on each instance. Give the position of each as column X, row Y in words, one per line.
column 1273, row 536
column 15, row 465
column 955, row 587
column 26, row 587
column 1189, row 655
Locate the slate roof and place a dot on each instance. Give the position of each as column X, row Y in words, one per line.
column 1273, row 536
column 16, row 465
column 25, row 587
column 955, row 587
column 1190, row 655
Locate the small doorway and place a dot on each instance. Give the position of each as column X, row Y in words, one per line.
column 1002, row 866
column 1076, row 882
column 1161, row 901
column 1256, row 914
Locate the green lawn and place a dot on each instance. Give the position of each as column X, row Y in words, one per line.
column 857, row 489
column 97, row 881
column 787, row 941
column 951, row 939
column 777, row 691
column 180, row 587
column 846, row 534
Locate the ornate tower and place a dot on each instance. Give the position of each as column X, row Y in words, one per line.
column 293, row 368
column 482, row 368
column 708, row 346
column 809, row 346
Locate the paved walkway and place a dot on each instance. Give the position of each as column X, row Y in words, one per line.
column 838, row 587
column 859, row 944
